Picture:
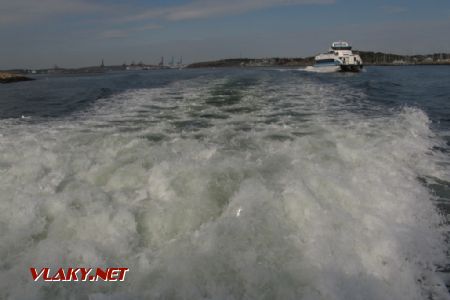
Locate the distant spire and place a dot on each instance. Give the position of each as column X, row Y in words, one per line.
column 103, row 64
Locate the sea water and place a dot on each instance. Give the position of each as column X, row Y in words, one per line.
column 228, row 184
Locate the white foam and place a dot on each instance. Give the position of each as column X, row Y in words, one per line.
column 330, row 69
column 329, row 207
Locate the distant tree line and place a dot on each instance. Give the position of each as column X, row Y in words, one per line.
column 379, row 58
column 368, row 57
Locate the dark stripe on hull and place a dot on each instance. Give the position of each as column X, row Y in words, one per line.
column 351, row 68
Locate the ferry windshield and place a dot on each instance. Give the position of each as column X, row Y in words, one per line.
column 342, row 48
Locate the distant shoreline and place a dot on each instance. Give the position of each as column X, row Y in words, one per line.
column 19, row 75
column 224, row 64
column 369, row 58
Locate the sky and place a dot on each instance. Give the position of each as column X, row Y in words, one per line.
column 75, row 33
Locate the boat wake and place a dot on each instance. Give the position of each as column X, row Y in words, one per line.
column 225, row 188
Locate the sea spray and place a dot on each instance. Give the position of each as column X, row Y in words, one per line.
column 282, row 190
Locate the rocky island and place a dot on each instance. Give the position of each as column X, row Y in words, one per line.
column 9, row 77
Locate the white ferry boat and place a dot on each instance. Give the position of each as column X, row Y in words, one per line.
column 339, row 58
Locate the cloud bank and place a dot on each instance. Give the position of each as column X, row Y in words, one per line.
column 201, row 9
column 19, row 11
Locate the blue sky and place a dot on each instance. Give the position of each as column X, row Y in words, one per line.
column 71, row 33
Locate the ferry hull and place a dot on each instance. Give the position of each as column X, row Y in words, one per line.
column 332, row 69
column 351, row 68
column 323, row 69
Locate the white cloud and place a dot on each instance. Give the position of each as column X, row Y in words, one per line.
column 26, row 11
column 393, row 9
column 114, row 34
column 124, row 33
column 200, row 9
column 148, row 27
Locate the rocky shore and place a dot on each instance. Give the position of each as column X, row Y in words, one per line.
column 9, row 78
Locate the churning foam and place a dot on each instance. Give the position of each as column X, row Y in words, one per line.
column 282, row 195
